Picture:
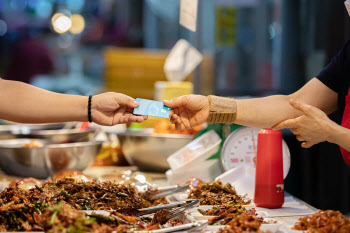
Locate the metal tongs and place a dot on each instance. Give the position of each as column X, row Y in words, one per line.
column 176, row 208
column 169, row 190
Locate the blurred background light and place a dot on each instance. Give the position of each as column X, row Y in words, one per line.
column 43, row 8
column 65, row 11
column 55, row 17
column 75, row 5
column 61, row 23
column 18, row 5
column 3, row 27
column 78, row 24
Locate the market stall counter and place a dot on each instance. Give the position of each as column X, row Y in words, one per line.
column 97, row 205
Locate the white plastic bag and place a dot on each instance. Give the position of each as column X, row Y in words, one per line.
column 181, row 61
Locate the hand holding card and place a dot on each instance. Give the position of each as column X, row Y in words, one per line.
column 151, row 108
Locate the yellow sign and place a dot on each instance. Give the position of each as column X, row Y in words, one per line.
column 225, row 26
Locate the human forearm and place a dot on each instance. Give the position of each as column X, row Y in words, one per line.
column 24, row 103
column 265, row 112
column 269, row 111
column 192, row 110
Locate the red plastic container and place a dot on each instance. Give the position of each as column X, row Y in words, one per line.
column 269, row 182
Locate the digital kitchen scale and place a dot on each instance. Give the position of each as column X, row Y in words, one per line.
column 240, row 147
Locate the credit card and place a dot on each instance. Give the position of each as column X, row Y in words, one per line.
column 151, row 108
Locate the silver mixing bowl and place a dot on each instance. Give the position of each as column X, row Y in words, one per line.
column 25, row 127
column 11, row 130
column 42, row 162
column 59, row 135
column 150, row 151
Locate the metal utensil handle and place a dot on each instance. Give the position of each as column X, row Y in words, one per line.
column 190, row 205
column 151, row 210
column 198, row 227
column 175, row 205
column 169, row 191
column 166, row 188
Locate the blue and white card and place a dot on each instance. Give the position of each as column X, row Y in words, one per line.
column 151, row 108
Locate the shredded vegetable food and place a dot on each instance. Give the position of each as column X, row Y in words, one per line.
column 96, row 195
column 329, row 221
column 53, row 207
column 222, row 209
column 243, row 223
column 215, row 193
column 225, row 217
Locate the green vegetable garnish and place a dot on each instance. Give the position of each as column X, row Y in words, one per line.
column 39, row 188
column 202, row 212
column 57, row 210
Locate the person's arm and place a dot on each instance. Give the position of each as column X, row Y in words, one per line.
column 192, row 110
column 269, row 111
column 312, row 127
column 23, row 103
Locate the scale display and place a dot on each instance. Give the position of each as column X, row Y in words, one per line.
column 240, row 147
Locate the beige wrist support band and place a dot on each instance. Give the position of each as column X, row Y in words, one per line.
column 221, row 109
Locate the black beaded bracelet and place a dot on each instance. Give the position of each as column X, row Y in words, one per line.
column 89, row 108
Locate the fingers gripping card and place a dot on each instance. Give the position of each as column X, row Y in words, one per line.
column 151, row 108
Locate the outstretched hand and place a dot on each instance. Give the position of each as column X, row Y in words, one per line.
column 188, row 111
column 114, row 108
column 311, row 128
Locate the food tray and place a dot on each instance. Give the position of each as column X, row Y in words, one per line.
column 198, row 216
column 288, row 229
column 171, row 229
column 288, row 209
column 189, row 221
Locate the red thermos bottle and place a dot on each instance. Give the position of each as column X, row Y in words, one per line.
column 269, row 182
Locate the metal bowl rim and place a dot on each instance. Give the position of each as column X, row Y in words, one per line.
column 154, row 135
column 53, row 132
column 63, row 145
column 75, row 144
column 41, row 126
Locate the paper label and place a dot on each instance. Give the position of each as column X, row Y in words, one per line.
column 347, row 4
column 280, row 188
column 188, row 14
column 151, row 108
column 181, row 61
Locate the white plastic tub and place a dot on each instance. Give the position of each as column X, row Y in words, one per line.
column 196, row 151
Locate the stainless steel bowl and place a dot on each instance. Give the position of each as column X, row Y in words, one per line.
column 28, row 127
column 149, row 151
column 11, row 130
column 41, row 162
column 59, row 135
